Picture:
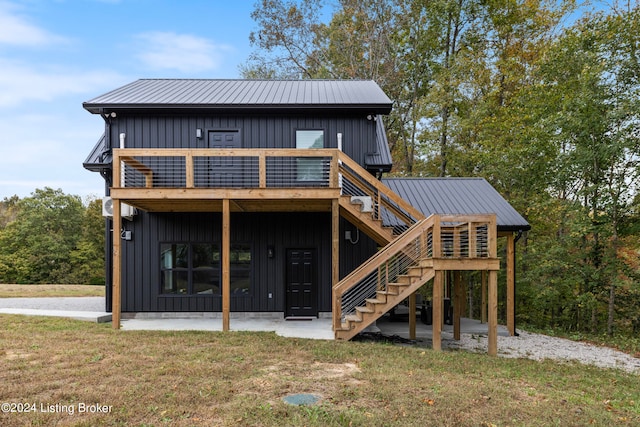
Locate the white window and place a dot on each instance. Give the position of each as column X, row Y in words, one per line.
column 309, row 168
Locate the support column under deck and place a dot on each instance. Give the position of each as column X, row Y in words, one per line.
column 226, row 264
column 493, row 313
column 483, row 299
column 335, row 259
column 438, row 289
column 412, row 316
column 458, row 297
column 511, row 285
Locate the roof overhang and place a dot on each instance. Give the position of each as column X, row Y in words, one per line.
column 173, row 95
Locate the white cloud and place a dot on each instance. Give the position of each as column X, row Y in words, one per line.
column 46, row 149
column 20, row 83
column 183, row 52
column 17, row 31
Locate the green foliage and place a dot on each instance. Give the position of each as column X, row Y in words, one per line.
column 547, row 112
column 52, row 237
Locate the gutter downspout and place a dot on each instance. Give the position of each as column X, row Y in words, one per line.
column 515, row 287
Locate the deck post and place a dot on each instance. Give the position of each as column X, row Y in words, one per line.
column 483, row 299
column 438, row 284
column 511, row 285
column 457, row 304
column 493, row 313
column 412, row 316
column 189, row 171
column 226, row 263
column 116, row 279
column 335, row 262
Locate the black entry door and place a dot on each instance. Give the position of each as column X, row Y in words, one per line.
column 302, row 286
column 225, row 171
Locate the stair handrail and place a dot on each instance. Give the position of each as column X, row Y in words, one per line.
column 381, row 256
column 362, row 174
column 359, row 276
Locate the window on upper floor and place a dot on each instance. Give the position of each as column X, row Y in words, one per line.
column 310, row 169
column 309, row 139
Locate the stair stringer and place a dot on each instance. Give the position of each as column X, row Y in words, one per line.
column 385, row 301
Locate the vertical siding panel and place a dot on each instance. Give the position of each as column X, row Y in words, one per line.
column 283, row 230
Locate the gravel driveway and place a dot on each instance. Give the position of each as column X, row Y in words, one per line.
column 539, row 347
column 53, row 303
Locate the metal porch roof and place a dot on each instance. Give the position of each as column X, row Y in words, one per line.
column 99, row 158
column 364, row 95
column 458, row 196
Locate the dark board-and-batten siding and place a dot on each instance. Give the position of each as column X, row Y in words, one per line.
column 141, row 266
column 256, row 131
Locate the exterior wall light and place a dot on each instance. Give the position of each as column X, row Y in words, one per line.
column 199, row 133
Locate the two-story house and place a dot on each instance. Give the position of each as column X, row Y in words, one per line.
column 267, row 197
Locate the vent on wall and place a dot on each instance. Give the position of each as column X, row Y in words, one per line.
column 126, row 211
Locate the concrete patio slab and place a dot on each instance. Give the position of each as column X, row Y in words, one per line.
column 312, row 329
column 87, row 309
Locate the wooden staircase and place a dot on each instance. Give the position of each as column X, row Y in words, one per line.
column 414, row 249
column 384, row 281
column 384, row 301
column 372, row 227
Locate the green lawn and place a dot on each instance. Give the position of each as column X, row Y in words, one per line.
column 239, row 378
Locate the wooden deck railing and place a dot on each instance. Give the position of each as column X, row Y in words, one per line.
column 259, row 169
column 225, row 168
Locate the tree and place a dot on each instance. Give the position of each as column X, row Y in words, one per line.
column 36, row 246
column 288, row 31
column 87, row 258
column 590, row 77
column 505, row 89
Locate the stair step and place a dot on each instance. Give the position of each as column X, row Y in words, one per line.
column 364, row 310
column 415, row 271
column 376, row 300
column 407, row 278
column 396, row 288
column 352, row 318
column 387, row 293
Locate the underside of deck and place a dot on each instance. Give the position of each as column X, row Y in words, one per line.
column 243, row 200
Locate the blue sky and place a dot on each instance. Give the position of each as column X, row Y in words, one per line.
column 56, row 54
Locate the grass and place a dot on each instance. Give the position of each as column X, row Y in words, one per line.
column 37, row 291
column 239, row 378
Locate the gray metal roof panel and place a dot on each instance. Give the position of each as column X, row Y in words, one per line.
column 208, row 93
column 457, row 196
column 100, row 157
column 381, row 159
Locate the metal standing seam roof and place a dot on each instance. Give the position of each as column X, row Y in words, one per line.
column 458, row 196
column 244, row 94
column 381, row 159
column 99, row 156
